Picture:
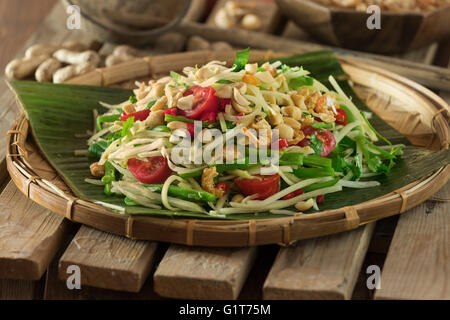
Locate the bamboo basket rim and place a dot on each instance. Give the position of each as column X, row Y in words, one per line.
column 228, row 233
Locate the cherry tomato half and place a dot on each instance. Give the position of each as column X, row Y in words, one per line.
column 328, row 142
column 205, row 102
column 154, row 170
column 283, row 143
column 327, row 138
column 341, row 117
column 139, row 115
column 264, row 186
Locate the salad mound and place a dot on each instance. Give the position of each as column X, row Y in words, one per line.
column 224, row 140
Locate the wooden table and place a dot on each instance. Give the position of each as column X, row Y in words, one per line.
column 37, row 246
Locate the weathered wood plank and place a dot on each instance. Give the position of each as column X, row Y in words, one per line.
column 203, row 273
column 30, row 235
column 21, row 290
column 108, row 261
column 418, row 262
column 321, row 268
column 56, row 289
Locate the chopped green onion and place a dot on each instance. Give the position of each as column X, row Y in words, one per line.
column 188, row 194
column 106, row 118
column 322, row 125
column 291, row 159
column 313, row 172
column 161, row 129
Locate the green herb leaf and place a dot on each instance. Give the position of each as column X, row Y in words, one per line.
column 133, row 99
column 241, row 60
column 316, row 145
column 151, row 104
column 126, row 126
column 357, row 168
column 224, row 81
column 300, row 82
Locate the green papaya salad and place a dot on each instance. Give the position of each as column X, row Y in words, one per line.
column 219, row 140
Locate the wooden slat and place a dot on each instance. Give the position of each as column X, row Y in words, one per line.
column 56, row 289
column 418, row 262
column 30, row 235
column 203, row 273
column 108, row 261
column 321, row 268
column 20, row 289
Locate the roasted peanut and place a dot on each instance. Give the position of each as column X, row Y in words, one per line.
column 174, row 125
column 251, row 68
column 298, row 100
column 45, row 72
column 292, row 112
column 224, row 92
column 155, row 118
column 97, row 170
column 291, row 122
column 186, row 103
column 304, row 205
column 160, row 104
column 285, row 131
column 251, row 22
column 129, row 108
column 275, row 118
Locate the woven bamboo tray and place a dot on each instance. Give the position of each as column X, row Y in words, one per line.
column 425, row 122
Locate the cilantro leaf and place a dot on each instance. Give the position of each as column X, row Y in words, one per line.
column 133, row 99
column 126, row 126
column 357, row 168
column 241, row 60
column 316, row 145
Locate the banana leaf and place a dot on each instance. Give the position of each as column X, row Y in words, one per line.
column 60, row 113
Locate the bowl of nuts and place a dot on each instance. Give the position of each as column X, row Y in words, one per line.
column 391, row 26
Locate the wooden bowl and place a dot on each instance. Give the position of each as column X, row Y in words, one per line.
column 414, row 110
column 347, row 28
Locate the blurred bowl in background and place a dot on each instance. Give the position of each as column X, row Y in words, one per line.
column 136, row 22
column 347, row 28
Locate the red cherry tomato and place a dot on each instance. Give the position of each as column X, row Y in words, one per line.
column 223, row 186
column 223, row 103
column 172, row 111
column 327, row 138
column 341, row 117
column 328, row 142
column 191, row 129
column 139, row 115
column 320, row 198
column 293, row 194
column 283, row 143
column 205, row 102
column 154, row 170
column 209, row 116
column 264, row 186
